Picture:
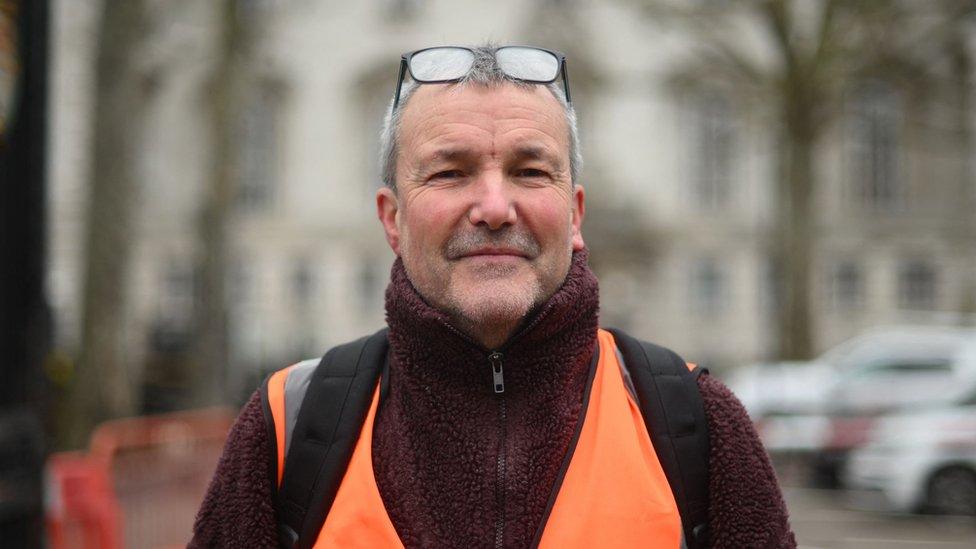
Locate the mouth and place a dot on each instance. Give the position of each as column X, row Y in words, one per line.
column 493, row 253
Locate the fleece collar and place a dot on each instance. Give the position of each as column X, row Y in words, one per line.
column 419, row 332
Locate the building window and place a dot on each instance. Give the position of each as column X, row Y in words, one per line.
column 714, row 147
column 846, row 286
column 301, row 283
column 916, row 285
column 259, row 134
column 178, row 296
column 709, row 288
column 874, row 151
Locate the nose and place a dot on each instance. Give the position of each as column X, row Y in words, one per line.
column 494, row 204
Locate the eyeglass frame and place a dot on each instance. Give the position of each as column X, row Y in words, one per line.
column 405, row 67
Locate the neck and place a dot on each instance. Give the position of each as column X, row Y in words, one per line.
column 491, row 336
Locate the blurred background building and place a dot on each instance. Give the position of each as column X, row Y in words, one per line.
column 681, row 180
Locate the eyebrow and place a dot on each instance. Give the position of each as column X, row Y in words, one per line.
column 535, row 152
column 443, row 155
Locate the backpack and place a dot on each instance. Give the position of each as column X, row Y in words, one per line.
column 341, row 387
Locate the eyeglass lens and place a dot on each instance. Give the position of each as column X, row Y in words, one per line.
column 527, row 63
column 439, row 64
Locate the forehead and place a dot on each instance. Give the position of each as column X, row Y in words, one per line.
column 444, row 113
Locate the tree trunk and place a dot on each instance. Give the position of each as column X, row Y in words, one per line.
column 794, row 236
column 211, row 326
column 104, row 383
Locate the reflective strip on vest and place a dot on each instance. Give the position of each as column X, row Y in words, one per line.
column 614, row 493
column 286, row 390
column 295, row 388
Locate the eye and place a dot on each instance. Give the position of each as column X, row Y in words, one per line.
column 531, row 172
column 447, row 175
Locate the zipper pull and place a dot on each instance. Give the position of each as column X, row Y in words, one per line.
column 497, row 378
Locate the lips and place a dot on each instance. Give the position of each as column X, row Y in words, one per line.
column 490, row 252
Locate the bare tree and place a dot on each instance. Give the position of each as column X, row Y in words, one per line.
column 104, row 386
column 797, row 58
column 228, row 89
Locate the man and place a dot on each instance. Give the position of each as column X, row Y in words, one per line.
column 506, row 418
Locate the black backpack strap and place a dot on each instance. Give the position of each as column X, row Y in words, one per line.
column 328, row 425
column 675, row 417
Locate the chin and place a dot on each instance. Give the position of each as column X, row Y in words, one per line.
column 494, row 302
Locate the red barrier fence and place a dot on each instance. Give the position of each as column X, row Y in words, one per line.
column 140, row 483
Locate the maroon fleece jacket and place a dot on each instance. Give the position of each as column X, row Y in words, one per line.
column 459, row 466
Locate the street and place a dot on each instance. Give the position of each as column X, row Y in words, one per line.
column 823, row 519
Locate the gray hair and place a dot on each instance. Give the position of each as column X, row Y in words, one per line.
column 486, row 72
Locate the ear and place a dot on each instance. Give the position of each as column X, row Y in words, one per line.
column 388, row 210
column 579, row 209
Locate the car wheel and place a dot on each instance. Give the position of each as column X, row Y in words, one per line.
column 952, row 491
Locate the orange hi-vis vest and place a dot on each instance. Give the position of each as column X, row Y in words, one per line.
column 614, row 493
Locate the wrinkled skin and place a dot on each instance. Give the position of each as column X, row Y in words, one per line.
column 485, row 215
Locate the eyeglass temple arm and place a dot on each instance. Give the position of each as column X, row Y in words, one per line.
column 565, row 81
column 396, row 97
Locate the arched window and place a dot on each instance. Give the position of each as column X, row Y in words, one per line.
column 713, row 150
column 873, row 147
column 259, row 128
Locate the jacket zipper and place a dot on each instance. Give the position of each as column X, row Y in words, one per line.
column 497, row 375
column 495, row 360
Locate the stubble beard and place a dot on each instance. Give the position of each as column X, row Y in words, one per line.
column 488, row 301
column 492, row 309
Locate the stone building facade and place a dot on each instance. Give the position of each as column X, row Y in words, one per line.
column 679, row 187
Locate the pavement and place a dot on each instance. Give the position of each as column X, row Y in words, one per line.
column 825, row 519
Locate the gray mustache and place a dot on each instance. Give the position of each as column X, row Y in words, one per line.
column 462, row 244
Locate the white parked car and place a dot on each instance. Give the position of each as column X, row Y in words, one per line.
column 897, row 368
column 921, row 460
column 819, row 406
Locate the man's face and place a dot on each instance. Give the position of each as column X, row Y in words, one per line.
column 485, row 216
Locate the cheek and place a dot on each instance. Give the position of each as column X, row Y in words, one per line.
column 427, row 225
column 550, row 221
